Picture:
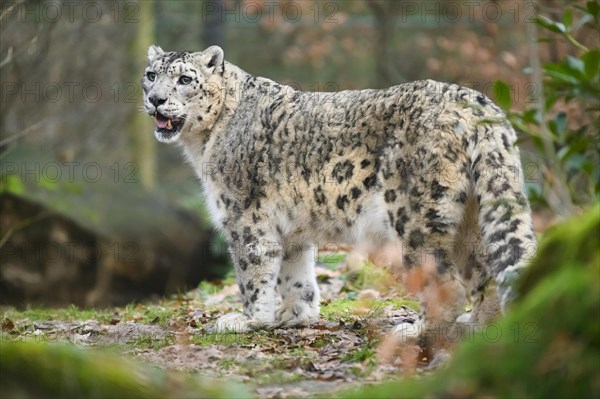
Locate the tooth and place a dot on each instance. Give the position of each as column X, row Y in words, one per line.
column 169, row 126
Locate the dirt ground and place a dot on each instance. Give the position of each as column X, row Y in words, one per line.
column 349, row 346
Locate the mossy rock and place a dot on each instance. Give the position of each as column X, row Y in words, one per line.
column 64, row 371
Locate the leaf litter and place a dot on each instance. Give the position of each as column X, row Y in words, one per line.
column 349, row 346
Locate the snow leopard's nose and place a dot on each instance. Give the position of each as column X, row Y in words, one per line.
column 156, row 101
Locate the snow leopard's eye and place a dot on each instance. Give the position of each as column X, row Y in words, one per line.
column 184, row 80
column 151, row 76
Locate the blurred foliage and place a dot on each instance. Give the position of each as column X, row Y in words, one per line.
column 65, row 371
column 546, row 346
column 564, row 121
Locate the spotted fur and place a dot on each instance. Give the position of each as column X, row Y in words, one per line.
column 422, row 163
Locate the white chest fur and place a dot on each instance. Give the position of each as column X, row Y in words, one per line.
column 206, row 174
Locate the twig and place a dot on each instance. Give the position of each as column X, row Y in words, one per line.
column 8, row 57
column 21, row 133
column 25, row 223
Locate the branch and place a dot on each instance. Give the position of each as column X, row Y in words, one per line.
column 25, row 223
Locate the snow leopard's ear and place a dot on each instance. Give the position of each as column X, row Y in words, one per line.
column 153, row 51
column 213, row 59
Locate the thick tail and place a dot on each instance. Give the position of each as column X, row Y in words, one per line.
column 504, row 213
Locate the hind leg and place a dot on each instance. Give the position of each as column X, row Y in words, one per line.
column 429, row 262
column 441, row 292
column 430, row 209
column 483, row 295
column 469, row 255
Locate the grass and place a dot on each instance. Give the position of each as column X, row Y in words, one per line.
column 322, row 342
column 159, row 314
column 226, row 363
column 153, row 314
column 151, row 341
column 361, row 354
column 289, row 354
column 71, row 313
column 278, row 377
column 349, row 308
column 331, row 259
column 224, row 339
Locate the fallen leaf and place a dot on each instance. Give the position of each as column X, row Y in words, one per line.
column 8, row 325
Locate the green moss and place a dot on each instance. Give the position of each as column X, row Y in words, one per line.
column 41, row 370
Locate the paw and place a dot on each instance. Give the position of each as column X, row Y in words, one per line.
column 505, row 282
column 232, row 322
column 465, row 318
column 408, row 332
column 239, row 323
column 298, row 313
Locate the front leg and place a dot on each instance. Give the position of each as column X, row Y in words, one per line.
column 257, row 267
column 298, row 287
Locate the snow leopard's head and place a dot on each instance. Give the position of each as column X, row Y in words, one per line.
column 183, row 91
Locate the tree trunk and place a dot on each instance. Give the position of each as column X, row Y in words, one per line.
column 385, row 13
column 212, row 30
column 141, row 140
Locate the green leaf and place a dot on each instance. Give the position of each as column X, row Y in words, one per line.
column 585, row 19
column 550, row 25
column 534, row 190
column 502, row 94
column 551, row 99
column 73, row 188
column 576, row 66
column 567, row 19
column 593, row 8
column 532, row 116
column 560, row 75
column 47, row 183
column 576, row 161
column 561, row 124
column 591, row 61
column 12, row 184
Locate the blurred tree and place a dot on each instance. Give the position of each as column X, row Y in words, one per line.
column 142, row 142
column 385, row 13
column 213, row 23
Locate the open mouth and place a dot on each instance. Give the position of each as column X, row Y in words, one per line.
column 168, row 127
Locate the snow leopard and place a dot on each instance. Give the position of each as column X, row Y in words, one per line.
column 424, row 165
